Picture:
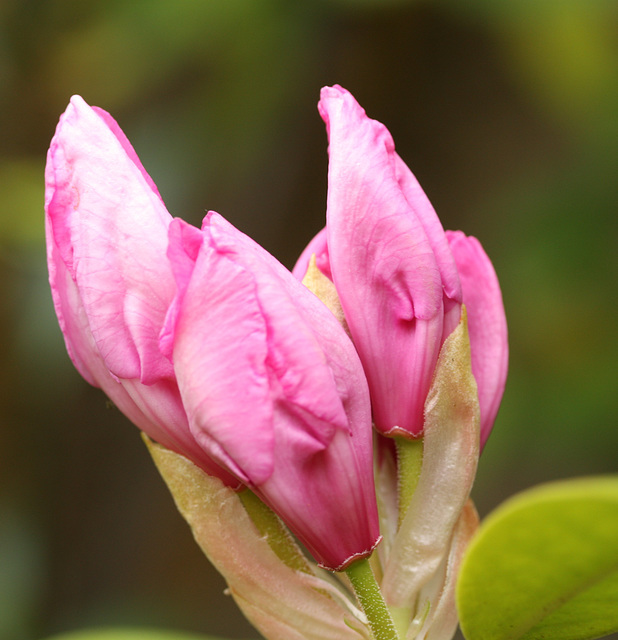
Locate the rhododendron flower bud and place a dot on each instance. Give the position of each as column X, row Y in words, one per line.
column 400, row 278
column 111, row 283
column 486, row 324
column 273, row 387
column 390, row 262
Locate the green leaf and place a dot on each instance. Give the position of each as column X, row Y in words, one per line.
column 130, row 634
column 545, row 565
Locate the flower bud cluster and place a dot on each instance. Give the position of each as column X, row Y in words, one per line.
column 224, row 357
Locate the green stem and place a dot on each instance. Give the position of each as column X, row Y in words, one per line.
column 270, row 526
column 370, row 597
column 409, row 463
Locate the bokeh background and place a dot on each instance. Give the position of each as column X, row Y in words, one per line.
column 506, row 111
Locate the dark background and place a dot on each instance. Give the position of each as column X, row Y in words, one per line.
column 506, row 111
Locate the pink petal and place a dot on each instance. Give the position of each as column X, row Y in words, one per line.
column 109, row 276
column 127, row 146
column 275, row 392
column 70, row 312
column 486, row 323
column 156, row 409
column 220, row 359
column 326, row 498
column 383, row 264
column 185, row 242
column 366, row 206
column 437, row 239
column 425, row 212
column 110, row 229
column 245, row 316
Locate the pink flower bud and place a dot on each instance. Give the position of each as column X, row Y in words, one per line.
column 398, row 276
column 106, row 229
column 273, row 387
column 390, row 262
column 207, row 343
column 486, row 324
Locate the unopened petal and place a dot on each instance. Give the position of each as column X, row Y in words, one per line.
column 127, row 146
column 328, row 500
column 383, row 264
column 110, row 227
column 106, row 231
column 427, row 216
column 486, row 322
column 275, row 392
column 220, row 359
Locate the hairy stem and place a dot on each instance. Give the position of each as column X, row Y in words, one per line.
column 370, row 597
column 270, row 526
column 409, row 463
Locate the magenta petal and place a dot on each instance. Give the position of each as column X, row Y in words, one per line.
column 383, row 263
column 110, row 227
column 275, row 391
column 369, row 218
column 156, row 409
column 126, row 145
column 328, row 498
column 245, row 316
column 106, row 232
column 425, row 212
column 185, row 242
column 486, row 324
column 437, row 239
column 219, row 356
column 70, row 312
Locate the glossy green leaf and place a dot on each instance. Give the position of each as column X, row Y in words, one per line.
column 121, row 633
column 545, row 566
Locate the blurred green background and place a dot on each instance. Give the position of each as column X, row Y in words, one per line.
column 506, row 111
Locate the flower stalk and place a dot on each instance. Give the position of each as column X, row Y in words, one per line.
column 409, row 463
column 269, row 526
column 370, row 597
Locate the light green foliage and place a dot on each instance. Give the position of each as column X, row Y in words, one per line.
column 545, row 565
